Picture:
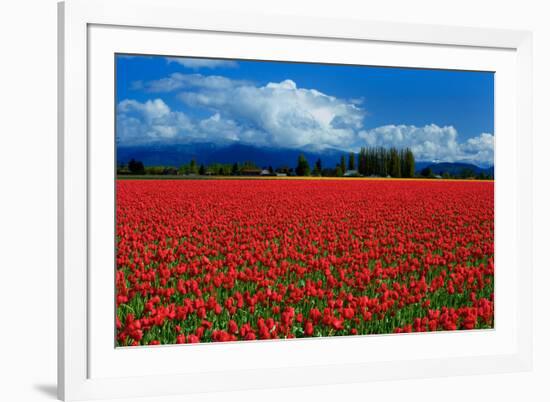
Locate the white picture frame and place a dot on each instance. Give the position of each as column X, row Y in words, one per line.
column 90, row 31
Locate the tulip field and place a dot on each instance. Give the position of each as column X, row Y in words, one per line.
column 237, row 259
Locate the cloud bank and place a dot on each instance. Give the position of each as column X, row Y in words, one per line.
column 433, row 143
column 280, row 115
column 195, row 64
column 177, row 81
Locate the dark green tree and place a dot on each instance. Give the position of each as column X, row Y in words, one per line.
column 235, row 169
column 362, row 161
column 317, row 170
column 303, row 166
column 136, row 167
column 351, row 161
column 380, row 161
column 467, row 173
column 343, row 164
column 426, row 172
column 328, row 172
column 408, row 164
column 395, row 163
column 202, row 170
column 193, row 167
column 284, row 170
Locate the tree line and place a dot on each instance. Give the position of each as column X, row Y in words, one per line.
column 135, row 167
column 368, row 162
column 465, row 173
column 379, row 161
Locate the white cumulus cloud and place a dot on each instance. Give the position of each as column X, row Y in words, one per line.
column 149, row 121
column 282, row 115
column 433, row 143
column 153, row 121
column 179, row 81
column 285, row 115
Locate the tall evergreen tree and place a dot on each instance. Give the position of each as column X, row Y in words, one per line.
column 303, row 166
column 361, row 163
column 193, row 166
column 318, row 168
column 426, row 172
column 394, row 165
column 343, row 164
column 380, row 161
column 351, row 161
column 403, row 162
column 235, row 169
column 136, row 167
column 409, row 164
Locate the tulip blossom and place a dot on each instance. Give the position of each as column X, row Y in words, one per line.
column 239, row 260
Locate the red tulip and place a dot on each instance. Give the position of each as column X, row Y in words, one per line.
column 225, row 260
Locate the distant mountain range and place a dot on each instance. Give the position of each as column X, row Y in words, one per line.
column 453, row 168
column 207, row 153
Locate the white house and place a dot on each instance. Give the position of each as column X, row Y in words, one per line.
column 351, row 173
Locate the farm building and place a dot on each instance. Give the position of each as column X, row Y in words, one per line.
column 351, row 173
column 170, row 171
column 249, row 171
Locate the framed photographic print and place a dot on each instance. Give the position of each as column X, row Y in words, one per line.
column 258, row 201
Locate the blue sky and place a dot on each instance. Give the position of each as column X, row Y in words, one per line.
column 442, row 115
